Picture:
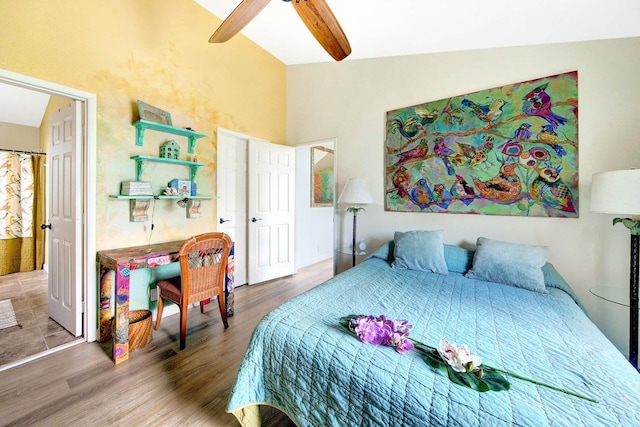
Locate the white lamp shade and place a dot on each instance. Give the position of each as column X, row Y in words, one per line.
column 616, row 192
column 355, row 192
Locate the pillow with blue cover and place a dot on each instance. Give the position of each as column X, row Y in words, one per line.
column 509, row 264
column 458, row 260
column 420, row 250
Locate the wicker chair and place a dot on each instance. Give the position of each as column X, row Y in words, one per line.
column 203, row 265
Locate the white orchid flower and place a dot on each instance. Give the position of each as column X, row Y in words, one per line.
column 459, row 358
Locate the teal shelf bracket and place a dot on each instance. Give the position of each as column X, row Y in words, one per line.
column 193, row 170
column 139, row 135
column 139, row 168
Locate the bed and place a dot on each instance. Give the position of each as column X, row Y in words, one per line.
column 301, row 361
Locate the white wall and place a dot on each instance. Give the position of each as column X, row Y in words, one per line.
column 314, row 226
column 348, row 100
column 19, row 137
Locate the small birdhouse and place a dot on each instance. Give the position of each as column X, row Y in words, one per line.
column 170, row 150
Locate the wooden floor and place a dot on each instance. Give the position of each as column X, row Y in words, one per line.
column 159, row 385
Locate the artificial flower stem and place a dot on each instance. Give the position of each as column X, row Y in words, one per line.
column 520, row 377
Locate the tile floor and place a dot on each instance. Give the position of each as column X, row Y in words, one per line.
column 35, row 332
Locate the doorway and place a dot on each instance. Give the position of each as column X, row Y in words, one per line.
column 255, row 185
column 86, row 272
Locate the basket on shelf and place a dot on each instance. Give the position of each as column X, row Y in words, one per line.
column 139, row 329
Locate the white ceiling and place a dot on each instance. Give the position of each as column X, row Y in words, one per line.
column 22, row 106
column 381, row 28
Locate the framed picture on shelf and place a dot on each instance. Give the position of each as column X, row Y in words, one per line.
column 183, row 186
column 153, row 114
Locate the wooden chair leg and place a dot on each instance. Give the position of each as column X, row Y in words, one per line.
column 202, row 304
column 183, row 326
column 160, row 308
column 223, row 311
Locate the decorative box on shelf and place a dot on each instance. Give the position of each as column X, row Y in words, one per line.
column 136, row 188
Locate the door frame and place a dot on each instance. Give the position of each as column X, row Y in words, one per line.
column 88, row 227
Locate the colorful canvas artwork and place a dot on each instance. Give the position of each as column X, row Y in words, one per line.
column 510, row 150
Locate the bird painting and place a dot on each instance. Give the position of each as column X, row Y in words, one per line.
column 487, row 113
column 505, row 150
column 441, row 193
column 471, row 156
column 426, row 116
column 421, row 194
column 538, row 103
column 402, row 181
column 523, row 132
column 504, row 188
column 461, row 189
column 419, row 152
column 549, row 190
column 443, row 152
column 547, row 134
column 407, row 128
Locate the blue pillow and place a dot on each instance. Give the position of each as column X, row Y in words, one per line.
column 419, row 250
column 509, row 264
column 459, row 260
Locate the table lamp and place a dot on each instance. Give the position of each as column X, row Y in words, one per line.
column 618, row 193
column 356, row 193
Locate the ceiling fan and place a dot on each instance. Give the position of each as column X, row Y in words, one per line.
column 315, row 14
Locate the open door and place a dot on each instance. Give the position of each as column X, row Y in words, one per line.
column 271, row 211
column 232, row 204
column 65, row 218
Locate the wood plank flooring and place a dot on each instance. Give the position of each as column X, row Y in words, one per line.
column 159, row 385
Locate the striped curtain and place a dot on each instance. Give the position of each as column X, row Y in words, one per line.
column 20, row 203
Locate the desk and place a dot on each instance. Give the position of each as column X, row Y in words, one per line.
column 122, row 261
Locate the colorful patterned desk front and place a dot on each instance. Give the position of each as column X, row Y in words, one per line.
column 122, row 261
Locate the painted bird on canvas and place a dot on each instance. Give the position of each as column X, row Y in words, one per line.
column 421, row 194
column 441, row 193
column 407, row 128
column 547, row 134
column 538, row 103
column 471, row 156
column 505, row 187
column 402, row 181
column 426, row 116
column 486, row 113
column 461, row 188
column 443, row 152
column 419, row 152
column 523, row 132
column 549, row 190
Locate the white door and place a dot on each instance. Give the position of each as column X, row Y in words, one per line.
column 232, row 204
column 65, row 247
column 271, row 211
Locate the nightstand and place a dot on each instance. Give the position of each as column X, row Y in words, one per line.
column 359, row 254
column 619, row 296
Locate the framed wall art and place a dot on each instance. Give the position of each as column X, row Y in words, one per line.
column 322, row 192
column 153, row 114
column 510, row 150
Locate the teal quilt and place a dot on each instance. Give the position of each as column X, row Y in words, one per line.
column 301, row 361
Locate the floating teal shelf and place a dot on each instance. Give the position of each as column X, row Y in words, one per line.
column 140, row 160
column 121, row 197
column 142, row 125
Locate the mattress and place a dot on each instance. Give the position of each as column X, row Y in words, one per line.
column 301, row 361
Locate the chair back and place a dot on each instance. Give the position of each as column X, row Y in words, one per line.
column 203, row 266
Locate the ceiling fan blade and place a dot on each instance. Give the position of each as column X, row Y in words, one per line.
column 238, row 19
column 324, row 26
